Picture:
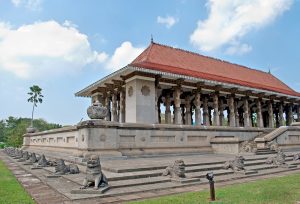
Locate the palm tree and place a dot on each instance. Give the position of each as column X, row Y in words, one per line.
column 35, row 98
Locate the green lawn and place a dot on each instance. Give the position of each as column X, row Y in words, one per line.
column 281, row 190
column 10, row 189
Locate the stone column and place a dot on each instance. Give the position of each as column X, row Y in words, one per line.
column 188, row 116
column 290, row 114
column 259, row 119
column 281, row 119
column 205, row 112
column 271, row 115
column 231, row 105
column 221, row 109
column 246, row 113
column 157, row 106
column 197, row 103
column 216, row 110
column 183, row 114
column 114, row 107
column 158, row 111
column 168, row 110
column 177, row 102
column 107, row 105
column 277, row 119
column 236, row 113
column 122, row 107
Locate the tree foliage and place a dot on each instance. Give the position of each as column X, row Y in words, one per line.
column 13, row 129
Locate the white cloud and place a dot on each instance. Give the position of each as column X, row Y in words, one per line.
column 45, row 48
column 237, row 48
column 230, row 20
column 169, row 21
column 123, row 55
column 30, row 4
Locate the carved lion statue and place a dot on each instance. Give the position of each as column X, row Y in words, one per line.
column 61, row 168
column 278, row 160
column 273, row 146
column 248, row 146
column 296, row 157
column 94, row 175
column 176, row 170
column 236, row 165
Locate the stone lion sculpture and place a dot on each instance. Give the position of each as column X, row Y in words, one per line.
column 42, row 162
column 176, row 170
column 273, row 146
column 236, row 165
column 296, row 157
column 94, row 175
column 248, row 146
column 61, row 168
column 278, row 160
column 25, row 157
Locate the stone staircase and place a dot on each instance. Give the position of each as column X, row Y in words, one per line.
column 143, row 176
column 265, row 151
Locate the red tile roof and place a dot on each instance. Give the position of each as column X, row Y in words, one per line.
column 168, row 59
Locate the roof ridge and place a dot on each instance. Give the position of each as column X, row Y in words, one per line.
column 213, row 58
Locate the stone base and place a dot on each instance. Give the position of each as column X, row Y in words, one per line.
column 185, row 180
column 90, row 190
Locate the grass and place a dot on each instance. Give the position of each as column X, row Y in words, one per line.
column 11, row 190
column 276, row 190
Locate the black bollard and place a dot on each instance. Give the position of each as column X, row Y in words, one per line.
column 210, row 178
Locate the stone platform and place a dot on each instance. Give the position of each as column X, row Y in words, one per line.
column 143, row 176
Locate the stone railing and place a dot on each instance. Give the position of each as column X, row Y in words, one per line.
column 284, row 136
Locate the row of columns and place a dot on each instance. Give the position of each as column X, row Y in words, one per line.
column 236, row 116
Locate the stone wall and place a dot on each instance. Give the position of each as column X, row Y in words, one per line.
column 111, row 138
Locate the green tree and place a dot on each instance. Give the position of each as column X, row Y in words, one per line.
column 15, row 128
column 2, row 130
column 35, row 98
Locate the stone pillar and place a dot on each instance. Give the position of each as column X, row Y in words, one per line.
column 216, row 110
column 122, row 107
column 140, row 100
column 157, row 106
column 277, row 119
column 250, row 115
column 188, row 115
column 246, row 113
column 236, row 113
column 231, row 105
column 271, row 115
column 158, row 111
column 281, row 119
column 183, row 114
column 177, row 102
column 168, row 110
column 221, row 109
column 107, row 105
column 114, row 107
column 197, row 103
column 205, row 112
column 210, row 116
column 290, row 114
column 259, row 119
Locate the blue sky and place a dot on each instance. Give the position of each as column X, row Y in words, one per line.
column 64, row 45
